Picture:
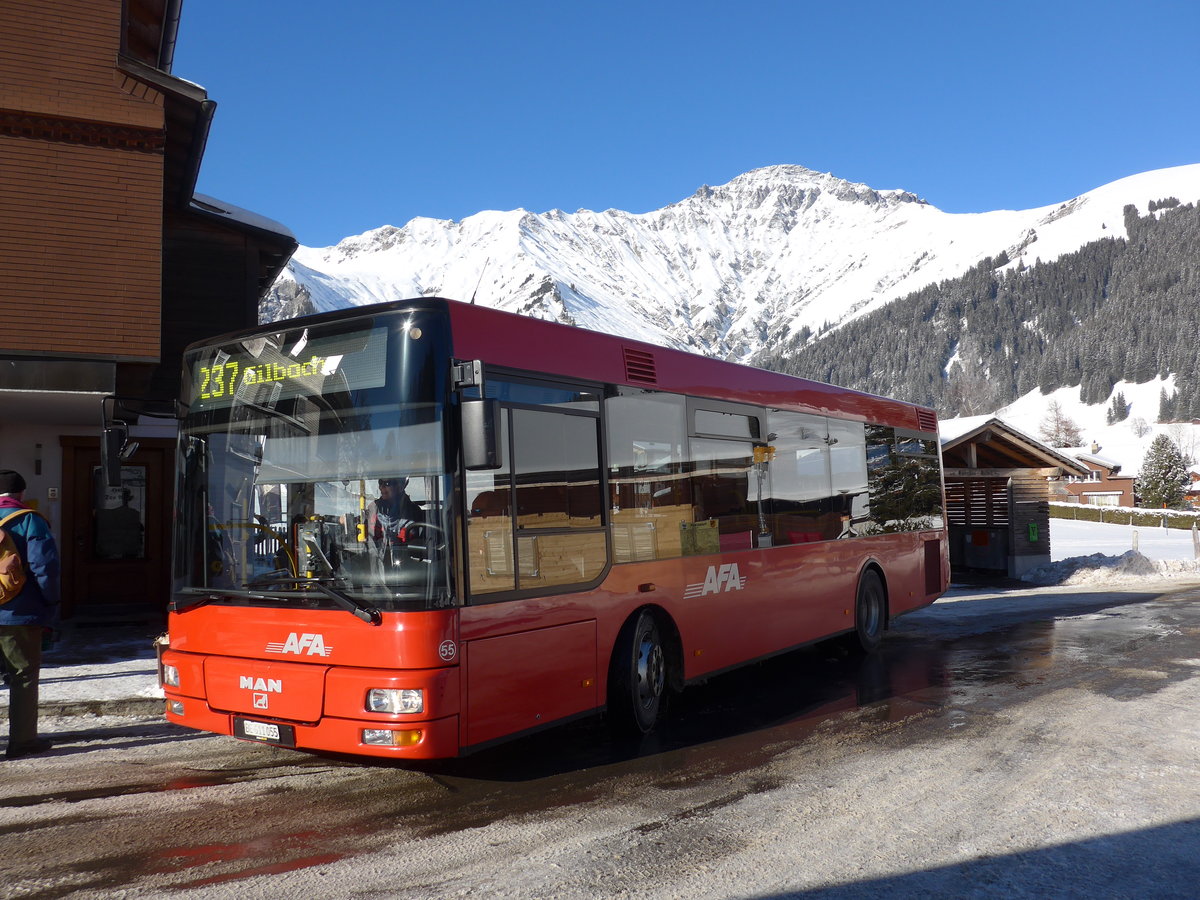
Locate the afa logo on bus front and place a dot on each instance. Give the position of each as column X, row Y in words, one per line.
column 719, row 579
column 301, row 644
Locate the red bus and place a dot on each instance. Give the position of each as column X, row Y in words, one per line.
column 415, row 529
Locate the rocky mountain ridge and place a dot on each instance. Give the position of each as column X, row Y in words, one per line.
column 776, row 257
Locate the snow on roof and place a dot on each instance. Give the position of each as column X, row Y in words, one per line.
column 235, row 213
column 953, row 430
column 1088, row 456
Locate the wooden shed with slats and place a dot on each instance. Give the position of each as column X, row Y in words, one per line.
column 998, row 482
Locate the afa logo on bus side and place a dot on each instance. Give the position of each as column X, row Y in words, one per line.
column 719, row 579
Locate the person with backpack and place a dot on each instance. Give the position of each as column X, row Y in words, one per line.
column 31, row 594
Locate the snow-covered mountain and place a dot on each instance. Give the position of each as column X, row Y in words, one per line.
column 726, row 271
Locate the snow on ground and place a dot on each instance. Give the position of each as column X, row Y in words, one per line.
column 1102, row 554
column 88, row 665
column 1119, row 442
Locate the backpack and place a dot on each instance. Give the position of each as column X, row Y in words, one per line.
column 12, row 567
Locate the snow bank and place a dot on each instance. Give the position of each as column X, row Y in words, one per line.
column 1097, row 569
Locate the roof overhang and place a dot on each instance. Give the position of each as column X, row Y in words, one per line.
column 76, row 408
column 151, row 28
column 1014, row 444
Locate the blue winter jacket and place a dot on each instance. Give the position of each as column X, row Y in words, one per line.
column 37, row 604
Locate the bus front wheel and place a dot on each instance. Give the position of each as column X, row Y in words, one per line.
column 637, row 679
column 870, row 612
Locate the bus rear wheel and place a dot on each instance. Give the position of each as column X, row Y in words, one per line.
column 870, row 612
column 637, row 679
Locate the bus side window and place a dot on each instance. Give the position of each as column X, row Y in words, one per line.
column 490, row 525
column 905, row 480
column 848, row 470
column 725, row 490
column 650, row 495
column 560, row 509
column 801, row 504
column 538, row 521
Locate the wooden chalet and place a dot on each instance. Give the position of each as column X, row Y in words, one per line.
column 998, row 491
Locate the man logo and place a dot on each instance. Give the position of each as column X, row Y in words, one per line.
column 261, row 701
column 302, row 644
column 267, row 685
column 719, row 579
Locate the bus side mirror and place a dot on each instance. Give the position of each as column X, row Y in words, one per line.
column 110, row 454
column 480, row 438
column 115, row 448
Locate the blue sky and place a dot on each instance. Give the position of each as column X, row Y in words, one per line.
column 336, row 118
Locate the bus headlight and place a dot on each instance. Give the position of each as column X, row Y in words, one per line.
column 383, row 737
column 395, row 700
column 170, row 676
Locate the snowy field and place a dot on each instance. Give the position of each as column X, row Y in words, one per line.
column 1092, row 553
column 1069, row 538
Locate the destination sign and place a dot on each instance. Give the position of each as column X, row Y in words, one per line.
column 224, row 375
column 264, row 371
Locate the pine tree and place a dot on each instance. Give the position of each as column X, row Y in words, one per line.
column 1166, row 406
column 1142, row 367
column 1119, row 410
column 1164, row 477
column 1047, row 325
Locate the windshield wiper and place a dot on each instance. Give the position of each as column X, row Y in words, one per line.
column 363, row 610
column 360, row 608
column 200, row 596
column 196, row 597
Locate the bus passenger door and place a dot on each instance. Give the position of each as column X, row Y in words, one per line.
column 518, row 682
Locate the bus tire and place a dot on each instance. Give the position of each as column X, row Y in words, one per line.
column 637, row 679
column 870, row 612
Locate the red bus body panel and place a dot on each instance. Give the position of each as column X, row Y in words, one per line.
column 790, row 596
column 504, row 697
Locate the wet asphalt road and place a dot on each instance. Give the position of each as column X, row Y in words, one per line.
column 139, row 808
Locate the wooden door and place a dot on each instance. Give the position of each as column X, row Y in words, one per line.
column 116, row 541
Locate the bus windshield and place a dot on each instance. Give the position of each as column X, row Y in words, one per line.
column 312, row 468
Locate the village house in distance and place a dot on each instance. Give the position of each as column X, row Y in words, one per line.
column 1104, row 485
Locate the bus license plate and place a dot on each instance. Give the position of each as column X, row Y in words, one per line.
column 265, row 732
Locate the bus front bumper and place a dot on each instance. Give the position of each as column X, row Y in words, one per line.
column 432, row 739
column 316, row 707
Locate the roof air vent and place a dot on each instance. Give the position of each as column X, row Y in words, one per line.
column 639, row 367
column 926, row 420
